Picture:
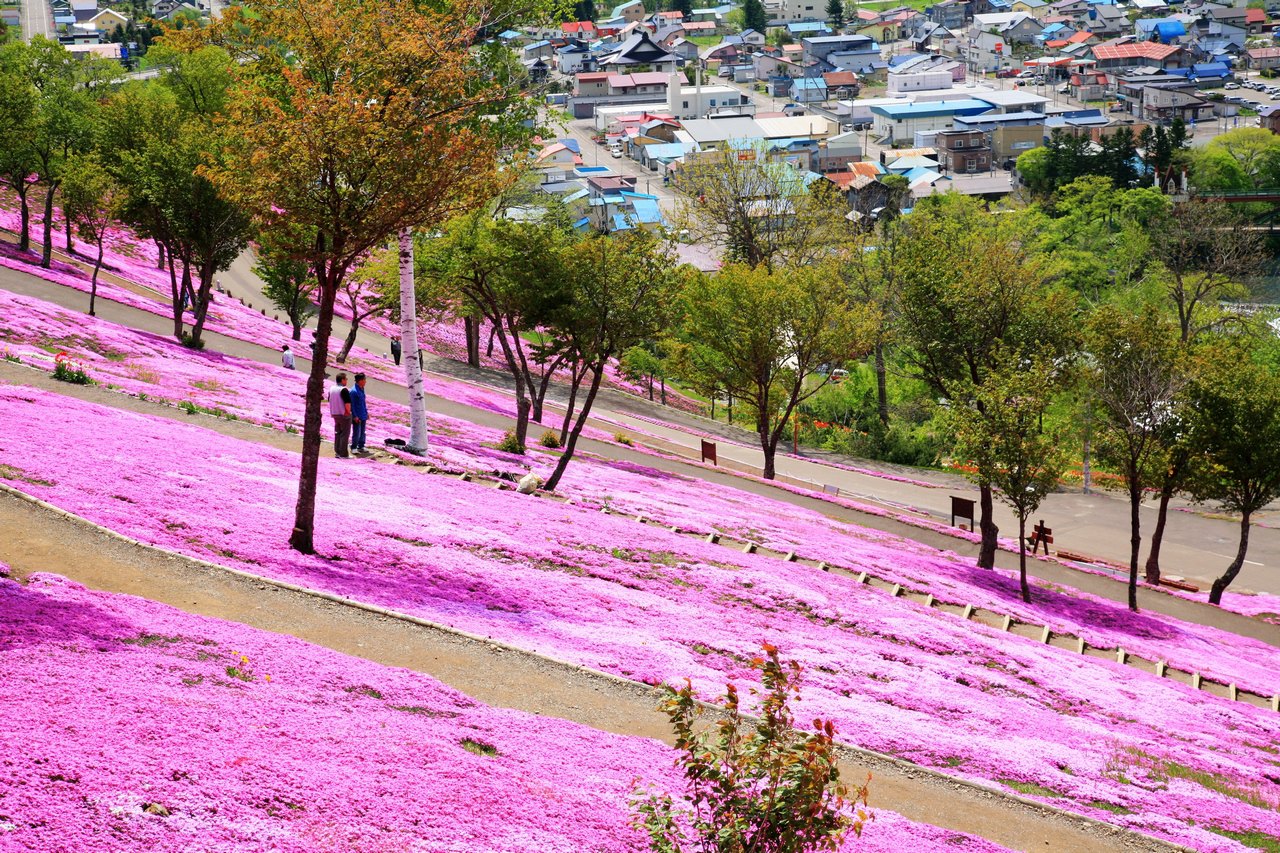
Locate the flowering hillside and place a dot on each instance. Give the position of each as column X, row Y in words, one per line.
column 654, row 606
column 263, row 737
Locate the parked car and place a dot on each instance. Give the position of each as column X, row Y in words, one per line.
column 615, row 153
column 1232, row 86
column 1023, row 75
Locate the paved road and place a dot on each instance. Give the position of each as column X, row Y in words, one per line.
column 37, row 19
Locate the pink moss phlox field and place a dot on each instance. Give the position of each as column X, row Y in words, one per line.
column 267, row 739
column 654, row 606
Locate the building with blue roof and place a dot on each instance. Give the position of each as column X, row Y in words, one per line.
column 901, row 122
column 808, row 90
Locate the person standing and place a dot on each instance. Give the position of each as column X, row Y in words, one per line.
column 395, row 350
column 286, row 357
column 340, row 408
column 359, row 414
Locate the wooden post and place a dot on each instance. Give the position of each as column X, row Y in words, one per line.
column 709, row 451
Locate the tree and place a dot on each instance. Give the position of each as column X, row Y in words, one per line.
column 753, row 787
column 1214, row 169
column 754, row 16
column 17, row 125
column 684, row 7
column 999, row 429
column 286, row 281
column 972, row 294
column 1255, row 150
column 408, row 292
column 1164, row 149
column 355, row 120
column 1207, row 256
column 1137, row 377
column 91, row 201
column 759, row 210
column 622, row 289
column 835, row 14
column 640, row 364
column 1235, row 412
column 506, row 273
column 769, row 333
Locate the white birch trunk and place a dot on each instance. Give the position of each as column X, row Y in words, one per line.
column 409, row 347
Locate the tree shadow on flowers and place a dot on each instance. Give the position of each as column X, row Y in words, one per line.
column 1054, row 606
column 54, row 611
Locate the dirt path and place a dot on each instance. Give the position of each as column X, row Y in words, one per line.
column 500, row 675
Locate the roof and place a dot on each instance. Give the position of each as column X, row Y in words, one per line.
column 963, row 106
column 1025, row 117
column 808, row 83
column 1264, row 53
column 578, row 27
column 840, row 78
column 916, row 161
column 1134, row 50
column 720, row 129
column 641, row 78
column 1255, row 16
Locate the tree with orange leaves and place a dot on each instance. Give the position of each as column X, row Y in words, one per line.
column 350, row 120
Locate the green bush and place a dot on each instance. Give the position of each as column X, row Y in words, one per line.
column 621, row 438
column 510, row 444
column 191, row 342
column 550, row 438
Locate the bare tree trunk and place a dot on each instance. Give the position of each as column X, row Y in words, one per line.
column 93, row 285
column 1022, row 558
column 24, row 205
column 987, row 524
column 303, row 536
column 575, row 381
column 200, row 302
column 1152, row 571
column 768, row 444
column 1221, row 584
column 882, row 386
column 71, row 247
column 1135, row 537
column 160, row 254
column 350, row 340
column 597, row 375
column 175, row 293
column 472, row 326
column 46, row 254
column 409, row 339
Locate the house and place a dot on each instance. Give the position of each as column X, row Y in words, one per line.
column 1035, row 8
column 1164, row 101
column 591, row 84
column 809, row 90
column 573, row 58
column 640, row 51
column 537, row 50
column 1209, row 75
column 579, row 30
column 1118, row 55
column 1089, row 85
column 900, row 82
column 987, row 52
column 841, row 84
column 1262, row 58
column 1015, row 27
column 802, row 30
column 780, row 12
column 838, row 154
column 1255, row 20
column 1009, row 134
column 108, row 20
column 629, row 12
column 684, row 49
column 640, row 83
column 1269, row 118
column 901, row 122
column 753, row 38
column 963, row 151
column 1106, row 20
column 83, row 10
column 1013, row 101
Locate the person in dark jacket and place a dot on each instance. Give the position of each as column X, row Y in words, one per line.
column 359, row 414
column 395, row 350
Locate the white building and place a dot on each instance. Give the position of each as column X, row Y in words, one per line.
column 918, row 81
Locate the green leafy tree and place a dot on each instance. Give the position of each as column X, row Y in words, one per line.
column 287, row 282
column 622, row 291
column 835, row 14
column 1137, row 377
column 753, row 786
column 684, row 7
column 754, row 16
column 1255, row 150
column 1235, row 418
column 769, row 333
column 640, row 364
column 18, row 98
column 973, row 293
column 506, row 273
column 1000, row 430
column 1214, row 169
column 91, row 200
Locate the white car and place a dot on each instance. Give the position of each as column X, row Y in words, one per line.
column 1232, row 86
column 616, row 153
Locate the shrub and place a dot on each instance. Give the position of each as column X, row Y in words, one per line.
column 550, row 438
column 191, row 342
column 622, row 438
column 510, row 444
column 758, row 785
column 189, row 407
column 67, row 369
